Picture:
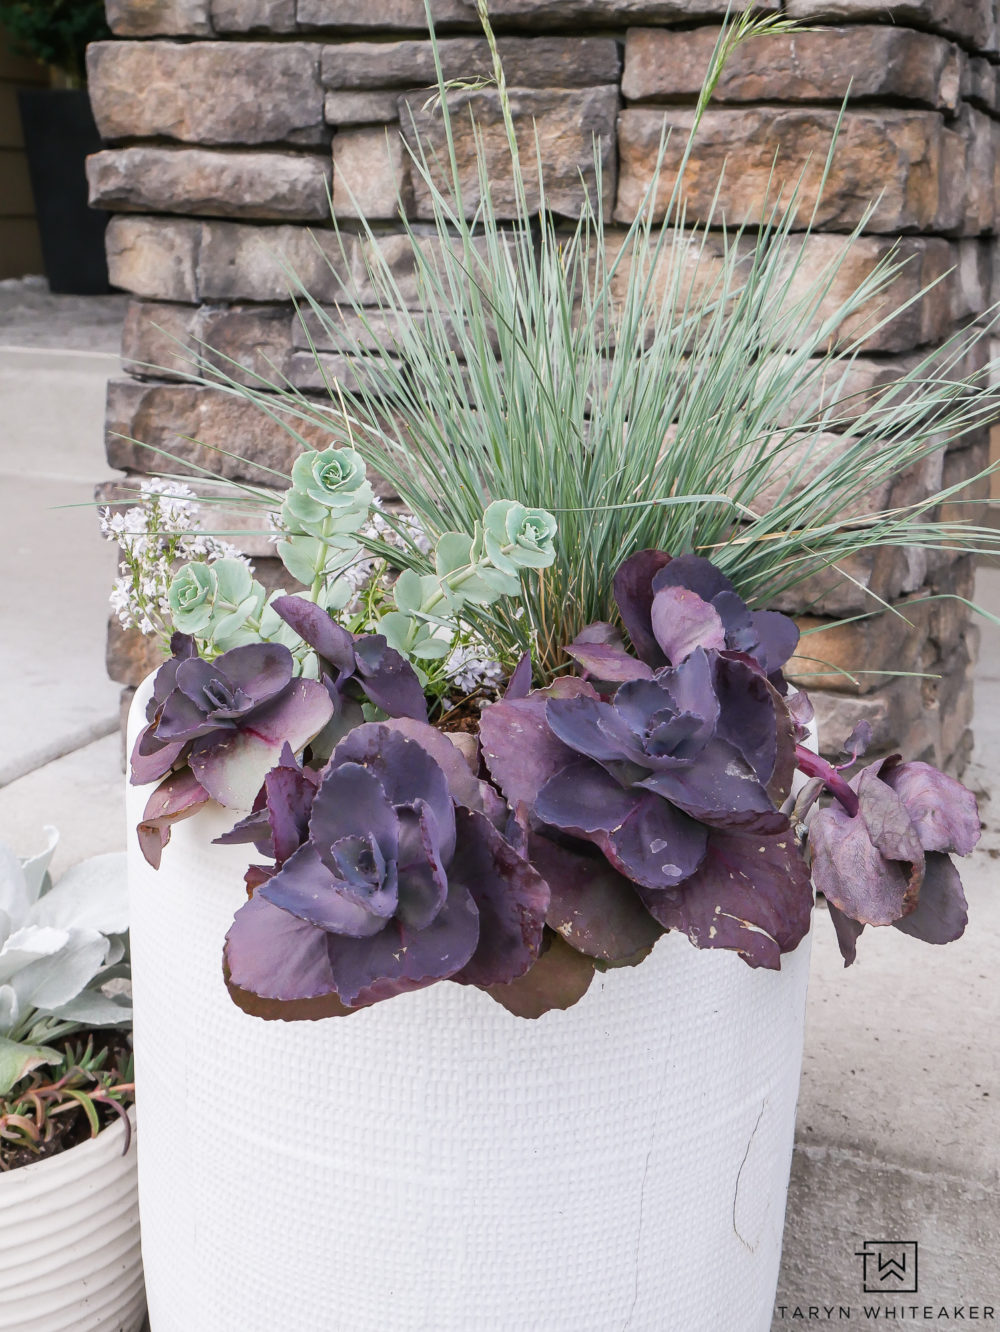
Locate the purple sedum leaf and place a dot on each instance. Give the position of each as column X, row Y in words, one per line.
column 848, row 933
column 943, row 812
column 388, row 679
column 633, row 589
column 176, row 798
column 277, row 967
column 511, row 897
column 316, row 627
column 593, row 907
column 853, row 875
column 559, row 979
column 398, row 960
column 682, row 622
column 519, row 684
column 751, row 894
column 941, row 913
column 519, row 749
column 657, row 846
column 600, row 651
column 233, row 768
column 305, row 888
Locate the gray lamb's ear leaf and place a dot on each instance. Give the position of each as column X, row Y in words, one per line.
column 559, row 979
column 17, row 1060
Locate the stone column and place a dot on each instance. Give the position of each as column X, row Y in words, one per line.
column 227, row 122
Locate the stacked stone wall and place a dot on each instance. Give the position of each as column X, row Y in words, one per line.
column 229, row 123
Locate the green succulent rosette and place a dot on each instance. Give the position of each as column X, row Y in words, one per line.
column 214, row 601
column 515, row 537
column 330, row 493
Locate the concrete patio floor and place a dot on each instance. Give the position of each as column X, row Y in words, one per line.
column 899, row 1118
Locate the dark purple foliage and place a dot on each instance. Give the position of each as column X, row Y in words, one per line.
column 354, row 669
column 882, row 858
column 670, row 607
column 401, row 880
column 678, row 781
column 227, row 721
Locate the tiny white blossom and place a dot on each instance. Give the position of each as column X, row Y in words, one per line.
column 469, row 670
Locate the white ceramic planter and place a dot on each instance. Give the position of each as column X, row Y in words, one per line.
column 69, row 1241
column 434, row 1164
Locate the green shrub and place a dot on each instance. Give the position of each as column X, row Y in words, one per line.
column 56, row 32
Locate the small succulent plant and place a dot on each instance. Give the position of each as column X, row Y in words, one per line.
column 217, row 728
column 60, row 946
column 401, row 879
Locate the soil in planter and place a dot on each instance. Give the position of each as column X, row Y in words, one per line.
column 72, row 1126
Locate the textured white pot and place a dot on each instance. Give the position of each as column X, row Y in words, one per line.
column 434, row 1164
column 69, row 1241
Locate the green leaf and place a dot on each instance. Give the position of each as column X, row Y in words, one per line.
column 234, row 581
column 454, row 551
column 408, row 592
column 17, row 1061
column 301, row 556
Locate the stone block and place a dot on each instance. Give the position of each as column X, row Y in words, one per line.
column 253, row 15
column 247, row 343
column 210, row 183
column 848, row 264
column 318, row 372
column 159, row 339
column 250, row 344
column 529, row 62
column 972, row 21
column 185, row 260
column 407, row 15
column 971, row 285
column 207, row 93
column 838, row 392
column 130, row 655
column 371, row 173
column 981, row 84
column 154, row 257
column 895, row 712
column 552, row 13
column 821, row 66
column 970, row 504
column 245, row 263
column 159, row 18
column 181, row 428
column 906, row 156
column 361, row 108
column 566, row 124
column 914, row 638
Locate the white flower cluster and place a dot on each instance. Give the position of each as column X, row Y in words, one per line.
column 469, row 669
column 156, row 534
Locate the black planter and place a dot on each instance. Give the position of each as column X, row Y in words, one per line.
column 59, row 133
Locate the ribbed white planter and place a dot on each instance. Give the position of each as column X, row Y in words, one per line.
column 69, row 1241
column 434, row 1164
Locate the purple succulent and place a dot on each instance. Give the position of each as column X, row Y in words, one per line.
column 678, row 781
column 880, row 852
column 227, row 721
column 401, row 879
column 671, row 607
column 355, row 669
